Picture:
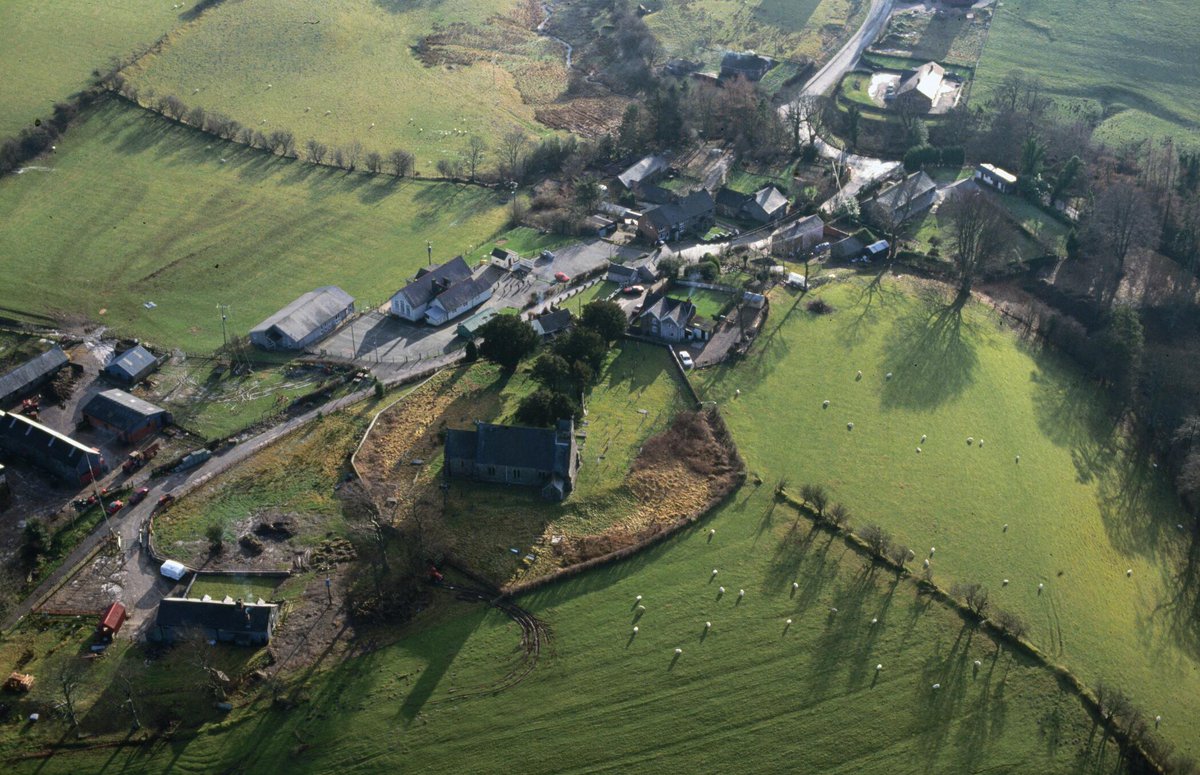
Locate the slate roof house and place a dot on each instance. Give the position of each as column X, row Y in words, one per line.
column 305, row 321
column 647, row 170
column 61, row 455
column 766, row 205
column 545, row 458
column 456, row 300
column 746, row 65
column 228, row 620
column 799, row 236
column 695, row 212
column 31, row 375
column 552, row 323
column 126, row 415
column 729, row 203
column 901, row 201
column 411, row 301
column 132, row 366
column 920, row 90
column 666, row 318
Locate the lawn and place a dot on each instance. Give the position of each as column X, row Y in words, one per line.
column 249, row 588
column 1017, row 246
column 297, row 475
column 751, row 694
column 747, row 182
column 598, row 292
column 523, row 240
column 1075, row 512
column 140, row 209
column 787, row 29
column 49, row 50
column 1048, row 231
column 708, row 303
column 1136, row 62
column 346, row 71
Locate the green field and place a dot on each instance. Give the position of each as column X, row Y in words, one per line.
column 1135, row 61
column 140, row 209
column 49, row 50
column 344, row 71
column 750, row 695
column 1080, row 507
column 708, row 303
column 1017, row 246
column 788, row 29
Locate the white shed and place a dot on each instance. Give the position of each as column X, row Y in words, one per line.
column 174, row 569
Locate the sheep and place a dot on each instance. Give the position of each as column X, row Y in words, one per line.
column 795, row 585
column 635, row 629
column 678, row 652
column 222, row 161
column 1157, row 721
column 978, row 664
column 1040, row 588
column 1018, row 458
column 926, row 563
column 858, row 376
column 720, row 590
column 715, row 571
column 1005, row 528
column 638, row 598
column 875, row 620
column 268, row 86
column 306, row 109
column 708, row 625
column 825, row 404
column 970, row 440
column 911, row 554
column 923, row 437
column 888, row 375
column 878, row 667
column 832, row 610
column 712, row 532
column 195, row 91
column 788, row 622
column 737, row 392
column 849, row 426
column 981, row 443
column 1128, row 572
column 932, row 550
column 260, row 123
column 328, row 112
column 741, row 593
column 372, row 125
column 1004, row 583
column 918, row 450
column 936, row 687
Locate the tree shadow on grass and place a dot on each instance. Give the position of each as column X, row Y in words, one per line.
column 1072, row 413
column 875, row 294
column 931, row 355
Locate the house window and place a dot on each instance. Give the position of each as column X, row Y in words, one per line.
column 491, row 470
column 517, row 474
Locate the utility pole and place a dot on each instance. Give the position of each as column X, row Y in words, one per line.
column 429, row 252
column 223, row 309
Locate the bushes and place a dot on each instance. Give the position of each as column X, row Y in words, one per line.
column 921, row 156
column 820, row 307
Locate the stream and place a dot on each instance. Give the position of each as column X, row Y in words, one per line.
column 541, row 30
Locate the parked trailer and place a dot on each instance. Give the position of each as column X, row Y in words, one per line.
column 193, row 459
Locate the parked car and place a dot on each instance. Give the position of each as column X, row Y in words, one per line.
column 562, row 277
column 139, row 496
column 115, row 506
column 548, row 255
column 633, row 290
column 686, row 359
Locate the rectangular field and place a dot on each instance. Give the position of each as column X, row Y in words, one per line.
column 134, row 208
column 1134, row 61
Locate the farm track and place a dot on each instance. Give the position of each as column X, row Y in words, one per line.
column 535, row 635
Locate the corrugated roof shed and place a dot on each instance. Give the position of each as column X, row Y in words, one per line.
column 29, row 373
column 120, row 409
column 645, row 168
column 132, row 365
column 307, row 313
column 19, row 432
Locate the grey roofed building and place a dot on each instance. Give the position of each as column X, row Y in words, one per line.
column 469, row 328
column 462, row 296
column 621, row 273
column 125, row 414
column 746, row 64
column 799, row 236
column 647, row 170
column 411, row 301
column 33, row 442
column 900, row 201
column 666, row 318
column 552, row 322
column 730, row 203
column 305, row 320
column 669, row 222
column 766, row 205
column 31, row 374
column 923, row 86
column 132, row 366
column 514, row 454
column 227, row 620
column 656, row 195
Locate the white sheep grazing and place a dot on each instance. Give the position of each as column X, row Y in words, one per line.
column 1004, row 583
column 981, row 443
column 788, row 622
column 927, row 563
column 911, row 554
column 833, row 610
column 720, row 590
column 923, row 437
column 638, row 598
column 306, row 109
column 978, row 664
column 936, row 687
column 1129, row 572
column 875, row 620
column 195, row 91
column 635, row 629
column 641, row 609
column 268, row 86
column 932, row 550
column 1040, row 588
column 708, row 625
column 372, row 125
column 328, row 112
column 878, row 667
column 678, row 652
column 715, row 571
column 222, row 161
column 1005, row 528
column 918, row 450
column 712, row 532
column 858, row 375
column 1018, row 458
column 849, row 426
column 795, row 585
column 737, row 392
column 970, row 440
column 741, row 593
column 1157, row 721
column 888, row 375
column 825, row 404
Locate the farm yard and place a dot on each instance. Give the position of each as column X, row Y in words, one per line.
column 169, row 215
column 946, row 37
column 385, row 75
column 1132, row 65
column 1076, row 512
column 48, row 50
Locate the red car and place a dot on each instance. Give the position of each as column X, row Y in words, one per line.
column 139, row 496
column 633, row 290
column 115, row 506
column 562, row 277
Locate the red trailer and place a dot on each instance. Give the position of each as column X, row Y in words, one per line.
column 110, row 621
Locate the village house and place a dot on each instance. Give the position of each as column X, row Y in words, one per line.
column 225, row 621
column 900, row 201
column 552, row 323
column 411, row 301
column 645, row 171
column 666, row 318
column 1003, row 181
column 630, row 274
column 305, row 321
column 693, row 213
column 799, row 236
column 546, row 458
column 766, row 205
column 919, row 92
column 31, row 375
column 460, row 298
column 125, row 415
column 746, row 65
column 600, row 226
column 729, row 203
column 46, row 448
column 132, row 366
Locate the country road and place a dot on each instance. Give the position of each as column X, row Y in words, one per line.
column 829, row 75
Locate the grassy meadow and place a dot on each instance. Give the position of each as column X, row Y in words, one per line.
column 751, row 694
column 136, row 208
column 49, row 50
column 344, row 71
column 1075, row 513
column 1134, row 61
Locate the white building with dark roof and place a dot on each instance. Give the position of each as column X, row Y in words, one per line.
column 412, row 301
column 305, row 321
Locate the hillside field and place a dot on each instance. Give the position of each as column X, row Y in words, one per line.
column 135, row 208
column 1075, row 513
column 49, row 50
column 751, row 694
column 1135, row 61
column 345, row 71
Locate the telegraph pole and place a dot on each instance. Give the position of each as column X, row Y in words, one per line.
column 429, row 252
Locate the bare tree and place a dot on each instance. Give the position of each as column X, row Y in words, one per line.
column 899, row 555
column 512, row 153
column 839, row 515
column 374, row 162
column 974, row 596
column 316, row 151
column 806, row 116
column 401, row 161
column 878, row 539
column 353, row 155
column 816, row 497
column 70, row 680
column 475, row 150
column 1122, row 220
column 977, row 240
